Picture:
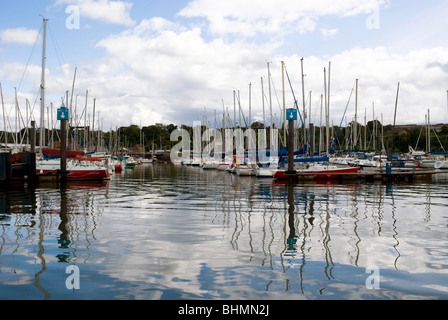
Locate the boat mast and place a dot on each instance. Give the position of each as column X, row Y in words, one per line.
column 16, row 142
column 383, row 150
column 262, row 102
column 327, row 129
column 428, row 134
column 303, row 103
column 4, row 116
column 234, row 109
column 321, row 132
column 85, row 124
column 311, row 147
column 374, row 127
column 250, row 105
column 270, row 95
column 223, row 130
column 284, row 103
column 223, row 117
column 271, row 131
column 327, row 112
column 71, row 97
column 42, row 88
column 395, row 117
column 93, row 126
column 262, row 138
column 355, row 124
column 365, row 129
column 239, row 106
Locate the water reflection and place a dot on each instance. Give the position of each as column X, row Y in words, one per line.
column 39, row 225
column 167, row 232
column 341, row 226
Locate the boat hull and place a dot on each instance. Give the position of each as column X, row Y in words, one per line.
column 77, row 175
column 222, row 166
column 262, row 172
column 318, row 174
column 75, row 172
column 244, row 171
column 441, row 164
column 210, row 165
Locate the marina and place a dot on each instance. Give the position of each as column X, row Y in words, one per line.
column 288, row 197
column 164, row 232
column 369, row 176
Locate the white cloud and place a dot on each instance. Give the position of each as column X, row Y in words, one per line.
column 423, row 75
column 13, row 71
column 329, row 33
column 164, row 71
column 117, row 12
column 19, row 35
column 174, row 71
column 160, row 71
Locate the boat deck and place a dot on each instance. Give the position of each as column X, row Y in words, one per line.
column 408, row 175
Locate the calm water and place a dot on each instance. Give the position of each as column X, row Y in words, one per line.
column 165, row 232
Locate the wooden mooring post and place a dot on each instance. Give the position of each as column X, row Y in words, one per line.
column 391, row 176
column 5, row 167
column 291, row 115
column 63, row 117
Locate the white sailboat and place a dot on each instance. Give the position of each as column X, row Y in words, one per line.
column 78, row 168
column 266, row 169
column 142, row 160
column 244, row 169
column 441, row 164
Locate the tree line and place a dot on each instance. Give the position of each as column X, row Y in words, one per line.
column 372, row 137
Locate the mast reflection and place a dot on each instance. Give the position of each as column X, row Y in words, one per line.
column 30, row 215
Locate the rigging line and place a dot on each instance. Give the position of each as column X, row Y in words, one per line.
column 295, row 100
column 298, row 111
column 32, row 109
column 276, row 95
column 346, row 107
column 418, row 139
column 24, row 73
column 58, row 52
column 241, row 110
column 81, row 116
column 438, row 139
column 29, row 58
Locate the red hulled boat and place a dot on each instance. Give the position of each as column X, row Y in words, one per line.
column 319, row 172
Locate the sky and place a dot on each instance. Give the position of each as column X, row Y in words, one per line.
column 147, row 62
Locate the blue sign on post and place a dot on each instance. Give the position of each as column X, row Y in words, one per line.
column 62, row 114
column 291, row 114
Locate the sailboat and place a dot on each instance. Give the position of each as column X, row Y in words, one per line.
column 318, row 171
column 319, row 168
column 142, row 160
column 267, row 168
column 244, row 169
column 429, row 159
column 79, row 167
column 224, row 164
